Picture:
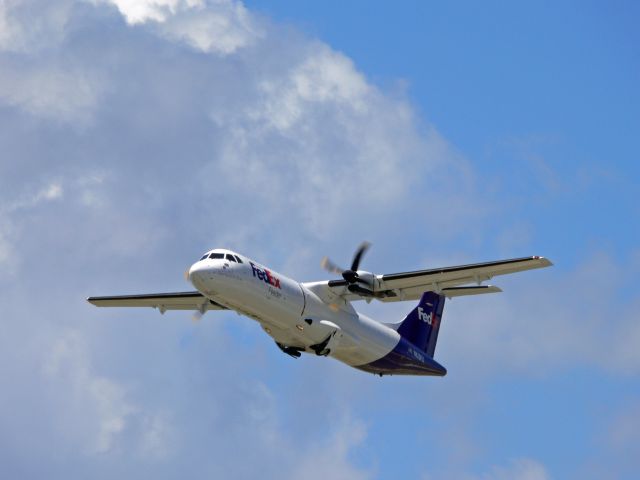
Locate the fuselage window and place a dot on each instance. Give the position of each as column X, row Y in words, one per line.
column 216, row 255
column 238, row 259
column 230, row 257
column 204, row 256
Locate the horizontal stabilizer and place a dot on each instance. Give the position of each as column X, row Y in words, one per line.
column 475, row 290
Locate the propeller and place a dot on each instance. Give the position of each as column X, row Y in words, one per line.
column 350, row 275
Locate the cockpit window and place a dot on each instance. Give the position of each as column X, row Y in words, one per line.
column 238, row 259
column 230, row 257
column 204, row 256
column 216, row 255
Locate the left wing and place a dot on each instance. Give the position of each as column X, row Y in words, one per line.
column 161, row 301
column 393, row 287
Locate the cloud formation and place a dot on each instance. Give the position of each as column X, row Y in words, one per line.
column 68, row 365
column 139, row 129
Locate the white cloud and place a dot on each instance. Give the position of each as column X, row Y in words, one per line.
column 11, row 211
column 158, row 435
column 623, row 435
column 330, row 459
column 515, row 469
column 304, row 120
column 519, row 469
column 223, row 28
column 214, row 26
column 48, row 193
column 32, row 25
column 6, row 249
column 7, row 30
column 34, row 77
column 324, row 78
column 68, row 364
column 140, row 11
column 55, row 92
column 334, row 143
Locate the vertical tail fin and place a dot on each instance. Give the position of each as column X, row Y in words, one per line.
column 422, row 324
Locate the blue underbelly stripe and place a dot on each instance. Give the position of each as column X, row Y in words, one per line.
column 405, row 359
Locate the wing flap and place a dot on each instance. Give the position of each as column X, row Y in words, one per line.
column 162, row 301
column 475, row 290
column 415, row 293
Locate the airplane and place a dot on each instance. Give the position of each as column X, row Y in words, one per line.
column 318, row 317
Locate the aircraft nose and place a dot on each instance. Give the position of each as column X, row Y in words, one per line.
column 195, row 273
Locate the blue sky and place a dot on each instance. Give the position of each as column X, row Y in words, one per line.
column 136, row 135
column 507, row 83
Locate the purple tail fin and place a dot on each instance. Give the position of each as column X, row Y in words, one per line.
column 422, row 324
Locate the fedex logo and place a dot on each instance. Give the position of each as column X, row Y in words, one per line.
column 265, row 275
column 425, row 317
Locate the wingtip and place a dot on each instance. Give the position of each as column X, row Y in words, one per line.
column 544, row 262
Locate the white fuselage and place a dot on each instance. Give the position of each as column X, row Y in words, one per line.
column 299, row 315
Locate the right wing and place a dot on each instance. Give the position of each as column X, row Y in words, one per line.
column 412, row 284
column 161, row 301
column 393, row 287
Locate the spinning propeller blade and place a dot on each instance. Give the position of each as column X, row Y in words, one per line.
column 364, row 246
column 330, row 267
column 350, row 275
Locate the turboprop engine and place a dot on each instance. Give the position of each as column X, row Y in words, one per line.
column 360, row 282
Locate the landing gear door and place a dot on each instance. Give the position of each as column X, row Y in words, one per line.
column 334, row 339
column 340, row 338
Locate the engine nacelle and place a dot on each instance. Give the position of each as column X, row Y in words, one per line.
column 367, row 280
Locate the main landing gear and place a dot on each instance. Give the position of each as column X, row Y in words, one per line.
column 321, row 348
column 295, row 352
column 291, row 351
